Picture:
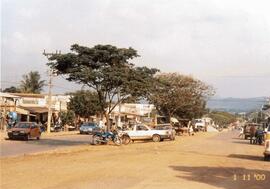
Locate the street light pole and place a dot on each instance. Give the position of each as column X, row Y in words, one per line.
column 48, row 55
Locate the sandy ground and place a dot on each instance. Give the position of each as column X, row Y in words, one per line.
column 207, row 160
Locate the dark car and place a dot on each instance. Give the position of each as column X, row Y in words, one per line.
column 25, row 130
column 89, row 128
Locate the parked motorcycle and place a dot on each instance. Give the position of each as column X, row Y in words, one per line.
column 259, row 137
column 105, row 137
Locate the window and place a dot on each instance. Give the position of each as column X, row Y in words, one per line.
column 141, row 128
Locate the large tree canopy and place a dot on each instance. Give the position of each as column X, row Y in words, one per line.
column 107, row 70
column 179, row 95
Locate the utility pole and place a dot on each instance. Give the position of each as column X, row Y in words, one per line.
column 119, row 108
column 48, row 55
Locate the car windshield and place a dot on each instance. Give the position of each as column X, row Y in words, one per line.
column 89, row 125
column 22, row 125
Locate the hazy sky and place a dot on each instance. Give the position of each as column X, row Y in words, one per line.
column 223, row 42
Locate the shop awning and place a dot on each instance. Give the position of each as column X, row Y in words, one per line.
column 7, row 95
column 38, row 110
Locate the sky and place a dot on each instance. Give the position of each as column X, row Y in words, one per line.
column 224, row 43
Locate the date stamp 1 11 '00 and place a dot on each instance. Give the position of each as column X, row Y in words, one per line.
column 249, row 177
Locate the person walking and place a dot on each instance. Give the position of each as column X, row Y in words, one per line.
column 241, row 132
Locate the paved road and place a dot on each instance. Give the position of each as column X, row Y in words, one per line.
column 20, row 147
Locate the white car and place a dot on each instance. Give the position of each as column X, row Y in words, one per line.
column 143, row 132
column 199, row 124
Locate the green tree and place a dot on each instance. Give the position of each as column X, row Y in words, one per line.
column 11, row 89
column 222, row 118
column 32, row 83
column 67, row 118
column 107, row 70
column 84, row 103
column 179, row 95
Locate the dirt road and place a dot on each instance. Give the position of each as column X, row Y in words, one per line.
column 203, row 161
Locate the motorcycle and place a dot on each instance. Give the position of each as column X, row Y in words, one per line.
column 259, row 137
column 105, row 137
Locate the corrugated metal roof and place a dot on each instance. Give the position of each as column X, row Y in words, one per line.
column 7, row 95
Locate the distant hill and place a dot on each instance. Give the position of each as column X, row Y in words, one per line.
column 236, row 105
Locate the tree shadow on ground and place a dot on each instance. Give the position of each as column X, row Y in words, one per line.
column 226, row 177
column 242, row 142
column 248, row 157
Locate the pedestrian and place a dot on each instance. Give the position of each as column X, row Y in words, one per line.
column 252, row 131
column 241, row 132
column 190, row 129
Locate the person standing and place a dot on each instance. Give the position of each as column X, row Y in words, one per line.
column 241, row 132
column 252, row 133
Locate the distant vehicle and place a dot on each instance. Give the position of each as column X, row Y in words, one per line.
column 25, row 130
column 199, row 125
column 143, row 132
column 181, row 126
column 56, row 128
column 247, row 129
column 89, row 128
column 71, row 128
column 267, row 145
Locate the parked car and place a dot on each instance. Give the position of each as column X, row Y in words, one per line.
column 167, row 127
column 143, row 132
column 56, row 128
column 25, row 130
column 89, row 128
column 70, row 128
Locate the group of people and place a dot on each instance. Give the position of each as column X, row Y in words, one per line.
column 256, row 133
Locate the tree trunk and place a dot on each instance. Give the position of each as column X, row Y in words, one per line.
column 108, row 124
column 170, row 116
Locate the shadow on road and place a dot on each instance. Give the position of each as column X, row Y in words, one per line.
column 241, row 142
column 248, row 157
column 225, row 177
column 54, row 142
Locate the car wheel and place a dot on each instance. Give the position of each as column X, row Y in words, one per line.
column 156, row 138
column 27, row 137
column 117, row 141
column 126, row 139
column 95, row 140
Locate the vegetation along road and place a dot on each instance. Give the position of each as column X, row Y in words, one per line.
column 206, row 160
